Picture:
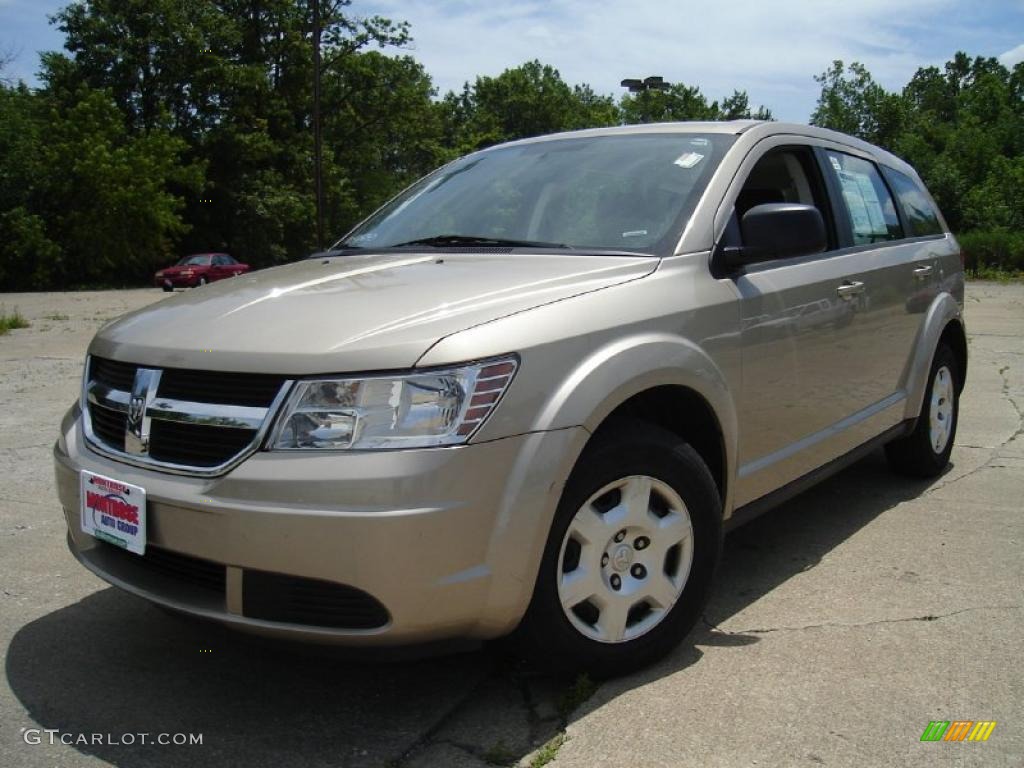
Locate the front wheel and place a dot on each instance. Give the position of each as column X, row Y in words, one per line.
column 631, row 555
column 925, row 451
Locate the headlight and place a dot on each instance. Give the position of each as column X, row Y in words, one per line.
column 415, row 410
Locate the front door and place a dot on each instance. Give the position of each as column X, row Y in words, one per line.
column 804, row 321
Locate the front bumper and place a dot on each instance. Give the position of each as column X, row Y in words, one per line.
column 175, row 281
column 448, row 540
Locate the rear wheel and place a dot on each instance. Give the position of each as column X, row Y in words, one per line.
column 925, row 451
column 630, row 557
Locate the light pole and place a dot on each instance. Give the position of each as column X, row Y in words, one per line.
column 317, row 138
column 652, row 83
column 643, row 101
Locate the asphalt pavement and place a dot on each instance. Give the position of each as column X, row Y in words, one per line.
column 843, row 622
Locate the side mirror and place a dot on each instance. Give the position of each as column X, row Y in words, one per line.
column 778, row 231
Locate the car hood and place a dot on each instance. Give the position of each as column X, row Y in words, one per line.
column 351, row 313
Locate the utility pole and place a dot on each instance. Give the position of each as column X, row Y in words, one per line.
column 317, row 138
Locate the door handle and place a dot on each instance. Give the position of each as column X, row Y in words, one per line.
column 923, row 271
column 850, row 289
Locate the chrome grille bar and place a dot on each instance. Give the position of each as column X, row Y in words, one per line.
column 244, row 419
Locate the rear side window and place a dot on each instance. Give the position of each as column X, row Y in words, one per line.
column 922, row 220
column 867, row 201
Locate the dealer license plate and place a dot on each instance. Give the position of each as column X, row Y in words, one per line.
column 114, row 511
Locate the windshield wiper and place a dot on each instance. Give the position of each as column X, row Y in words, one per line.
column 458, row 241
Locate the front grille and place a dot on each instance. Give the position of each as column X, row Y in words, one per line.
column 253, row 389
column 196, row 444
column 114, row 374
column 182, row 569
column 296, row 600
column 186, row 430
column 109, row 425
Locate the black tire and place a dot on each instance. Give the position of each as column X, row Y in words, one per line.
column 915, row 455
column 168, row 289
column 202, row 282
column 546, row 634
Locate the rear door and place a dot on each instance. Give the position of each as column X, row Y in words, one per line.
column 898, row 276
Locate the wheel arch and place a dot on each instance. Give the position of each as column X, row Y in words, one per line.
column 943, row 322
column 660, row 379
column 955, row 337
column 683, row 412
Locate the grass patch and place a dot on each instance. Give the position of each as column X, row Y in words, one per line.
column 12, row 320
column 499, row 754
column 581, row 690
column 57, row 316
column 548, row 752
column 998, row 274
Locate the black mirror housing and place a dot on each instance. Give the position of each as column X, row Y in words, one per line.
column 781, row 231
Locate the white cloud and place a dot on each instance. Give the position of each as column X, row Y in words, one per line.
column 1013, row 56
column 770, row 49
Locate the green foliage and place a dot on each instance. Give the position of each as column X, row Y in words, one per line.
column 84, row 200
column 683, row 102
column 549, row 751
column 579, row 692
column 9, row 321
column 528, row 100
column 962, row 128
column 852, row 102
column 996, row 250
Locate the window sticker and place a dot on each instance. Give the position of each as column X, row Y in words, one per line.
column 865, row 208
column 855, row 203
column 835, row 162
column 689, row 159
column 635, row 233
column 874, row 205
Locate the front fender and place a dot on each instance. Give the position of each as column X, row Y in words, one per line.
column 613, row 374
column 943, row 310
column 577, row 381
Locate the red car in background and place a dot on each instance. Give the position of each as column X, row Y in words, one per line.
column 198, row 269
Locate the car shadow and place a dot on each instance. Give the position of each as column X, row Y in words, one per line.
column 111, row 664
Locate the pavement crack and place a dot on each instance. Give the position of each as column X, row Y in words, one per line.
column 859, row 624
column 430, row 736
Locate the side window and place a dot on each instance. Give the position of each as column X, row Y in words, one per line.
column 865, row 197
column 784, row 175
column 918, row 211
column 220, row 261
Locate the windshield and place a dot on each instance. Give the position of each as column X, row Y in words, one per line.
column 194, row 260
column 620, row 192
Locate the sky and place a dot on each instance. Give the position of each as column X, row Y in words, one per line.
column 770, row 48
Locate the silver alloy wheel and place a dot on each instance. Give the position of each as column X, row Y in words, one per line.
column 940, row 413
column 625, row 559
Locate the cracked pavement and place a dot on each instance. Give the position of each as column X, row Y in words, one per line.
column 843, row 622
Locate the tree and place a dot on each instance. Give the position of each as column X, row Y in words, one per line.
column 84, row 201
column 684, row 102
column 528, row 100
column 852, row 102
column 233, row 79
